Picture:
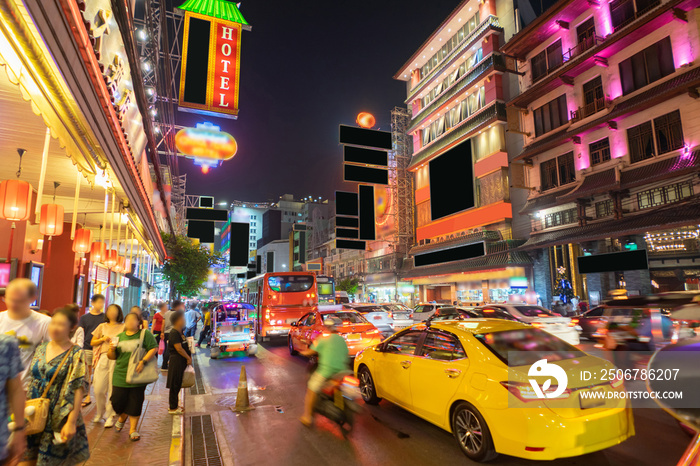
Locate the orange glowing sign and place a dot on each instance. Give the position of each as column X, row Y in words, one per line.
column 206, row 141
column 366, row 120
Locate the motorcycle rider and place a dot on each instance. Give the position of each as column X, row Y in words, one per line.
column 333, row 356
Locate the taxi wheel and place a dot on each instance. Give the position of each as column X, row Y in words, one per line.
column 292, row 351
column 367, row 388
column 471, row 432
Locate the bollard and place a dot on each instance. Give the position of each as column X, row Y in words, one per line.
column 242, row 400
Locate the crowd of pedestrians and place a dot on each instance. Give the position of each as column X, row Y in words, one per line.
column 54, row 360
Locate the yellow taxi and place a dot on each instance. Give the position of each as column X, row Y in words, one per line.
column 490, row 383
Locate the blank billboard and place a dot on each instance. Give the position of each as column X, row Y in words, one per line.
column 365, row 137
column 613, row 262
column 202, row 230
column 452, row 181
column 239, row 249
column 459, row 253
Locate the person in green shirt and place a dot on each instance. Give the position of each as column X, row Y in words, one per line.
column 127, row 399
column 333, row 355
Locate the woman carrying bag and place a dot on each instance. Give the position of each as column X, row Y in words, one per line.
column 104, row 367
column 180, row 358
column 135, row 368
column 57, row 375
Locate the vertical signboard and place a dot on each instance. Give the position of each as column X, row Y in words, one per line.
column 211, row 59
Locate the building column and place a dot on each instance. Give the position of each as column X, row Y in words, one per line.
column 542, row 277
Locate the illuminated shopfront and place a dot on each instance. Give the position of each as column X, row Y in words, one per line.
column 74, row 123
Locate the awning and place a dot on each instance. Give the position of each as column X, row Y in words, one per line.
column 594, row 183
column 544, row 201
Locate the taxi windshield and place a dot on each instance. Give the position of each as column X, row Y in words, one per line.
column 527, row 346
column 290, row 283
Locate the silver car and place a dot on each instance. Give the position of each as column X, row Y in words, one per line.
column 401, row 315
column 376, row 315
column 424, row 310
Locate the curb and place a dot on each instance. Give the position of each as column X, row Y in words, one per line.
column 177, row 443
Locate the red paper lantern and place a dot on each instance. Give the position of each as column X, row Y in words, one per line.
column 121, row 265
column 110, row 259
column 98, row 251
column 81, row 243
column 15, row 200
column 51, row 223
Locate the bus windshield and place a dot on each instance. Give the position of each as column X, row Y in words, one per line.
column 290, row 283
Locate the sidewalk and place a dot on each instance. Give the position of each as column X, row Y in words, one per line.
column 161, row 435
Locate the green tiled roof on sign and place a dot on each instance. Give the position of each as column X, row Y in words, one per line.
column 220, row 9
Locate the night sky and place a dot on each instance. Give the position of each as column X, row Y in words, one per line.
column 305, row 68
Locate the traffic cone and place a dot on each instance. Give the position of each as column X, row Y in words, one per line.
column 242, row 400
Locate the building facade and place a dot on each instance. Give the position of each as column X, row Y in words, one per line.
column 458, row 82
column 610, row 120
column 76, row 123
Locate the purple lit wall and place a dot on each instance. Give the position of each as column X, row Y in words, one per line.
column 618, row 143
column 682, row 50
column 604, row 22
column 583, row 160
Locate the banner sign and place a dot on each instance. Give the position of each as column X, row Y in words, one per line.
column 210, row 71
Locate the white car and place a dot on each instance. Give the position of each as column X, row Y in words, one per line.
column 401, row 315
column 376, row 315
column 424, row 310
column 562, row 327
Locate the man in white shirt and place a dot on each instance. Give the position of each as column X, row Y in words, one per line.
column 29, row 327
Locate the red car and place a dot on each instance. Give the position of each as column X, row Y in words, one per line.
column 356, row 330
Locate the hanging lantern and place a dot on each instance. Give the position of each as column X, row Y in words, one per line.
column 121, row 265
column 127, row 266
column 98, row 251
column 81, row 243
column 51, row 223
column 111, row 258
column 15, row 200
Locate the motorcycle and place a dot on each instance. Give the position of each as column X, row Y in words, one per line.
column 339, row 401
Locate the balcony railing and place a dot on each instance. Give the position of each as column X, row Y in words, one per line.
column 582, row 47
column 587, row 110
column 627, row 14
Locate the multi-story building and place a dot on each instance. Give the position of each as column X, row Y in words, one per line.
column 252, row 214
column 274, row 256
column 457, row 86
column 611, row 122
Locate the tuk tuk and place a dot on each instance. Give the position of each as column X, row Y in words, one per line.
column 233, row 329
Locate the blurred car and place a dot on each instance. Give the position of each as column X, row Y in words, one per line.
column 401, row 315
column 424, row 310
column 562, row 327
column 376, row 315
column 595, row 322
column 462, row 376
column 598, row 317
column 352, row 326
column 449, row 313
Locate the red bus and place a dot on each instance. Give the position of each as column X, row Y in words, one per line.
column 280, row 298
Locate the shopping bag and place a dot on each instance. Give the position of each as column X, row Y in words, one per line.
column 188, row 377
column 161, row 347
column 150, row 372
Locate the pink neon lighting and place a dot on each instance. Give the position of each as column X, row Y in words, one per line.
column 682, row 52
column 582, row 161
